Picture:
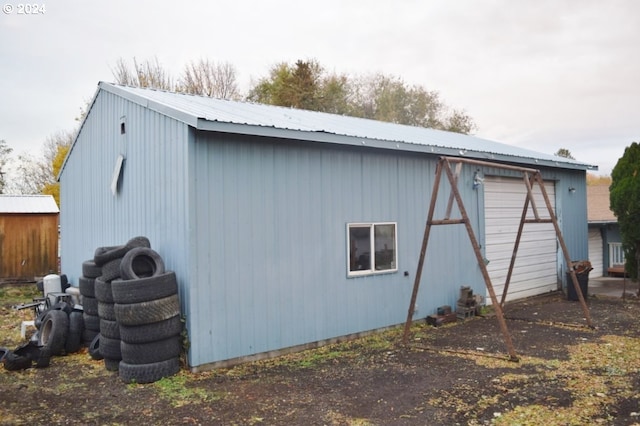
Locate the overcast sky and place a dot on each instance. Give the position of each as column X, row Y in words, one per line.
column 538, row 74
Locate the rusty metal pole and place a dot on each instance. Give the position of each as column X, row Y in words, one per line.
column 423, row 251
column 565, row 251
column 483, row 267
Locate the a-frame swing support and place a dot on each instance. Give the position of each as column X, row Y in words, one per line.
column 530, row 177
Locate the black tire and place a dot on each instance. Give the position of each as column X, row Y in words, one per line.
column 141, row 262
column 54, row 331
column 62, row 306
column 90, row 269
column 64, row 282
column 74, row 338
column 91, row 322
column 147, row 312
column 151, row 332
column 3, row 352
column 109, row 329
column 90, row 305
column 103, row 255
column 111, row 364
column 13, row 362
column 29, row 349
column 37, row 322
column 144, row 289
column 86, row 286
column 148, row 373
column 147, row 353
column 111, row 270
column 44, row 359
column 139, row 241
column 110, row 348
column 38, row 354
column 106, row 311
column 94, row 348
column 88, row 336
column 103, row 290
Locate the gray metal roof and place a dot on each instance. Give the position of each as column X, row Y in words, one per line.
column 212, row 114
column 28, row 204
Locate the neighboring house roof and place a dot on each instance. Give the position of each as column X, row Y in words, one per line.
column 598, row 210
column 205, row 113
column 28, row 204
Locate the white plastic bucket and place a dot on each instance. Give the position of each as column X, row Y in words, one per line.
column 51, row 284
column 75, row 294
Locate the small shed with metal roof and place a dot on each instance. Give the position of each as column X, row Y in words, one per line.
column 288, row 228
column 28, row 237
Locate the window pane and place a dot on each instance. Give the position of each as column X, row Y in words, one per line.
column 385, row 246
column 360, row 244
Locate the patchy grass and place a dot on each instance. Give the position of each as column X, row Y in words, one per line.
column 181, row 390
column 10, row 318
column 364, row 382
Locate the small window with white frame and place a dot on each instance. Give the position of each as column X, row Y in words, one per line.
column 372, row 248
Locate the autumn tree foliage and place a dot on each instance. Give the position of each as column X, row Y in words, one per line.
column 624, row 197
column 306, row 84
column 38, row 174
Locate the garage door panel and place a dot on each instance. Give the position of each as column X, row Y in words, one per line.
column 595, row 252
column 535, row 269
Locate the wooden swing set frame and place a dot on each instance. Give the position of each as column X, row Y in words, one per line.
column 530, row 178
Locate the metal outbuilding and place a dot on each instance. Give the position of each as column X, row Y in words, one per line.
column 28, row 237
column 288, row 228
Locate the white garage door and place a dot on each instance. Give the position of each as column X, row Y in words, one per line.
column 535, row 270
column 595, row 252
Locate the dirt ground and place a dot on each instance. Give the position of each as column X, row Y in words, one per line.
column 568, row 374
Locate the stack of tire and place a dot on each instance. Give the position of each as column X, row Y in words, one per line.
column 147, row 310
column 86, row 284
column 109, row 259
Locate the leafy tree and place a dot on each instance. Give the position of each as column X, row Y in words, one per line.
column 5, row 151
column 624, row 197
column 386, row 98
column 307, row 85
column 563, row 152
column 304, row 85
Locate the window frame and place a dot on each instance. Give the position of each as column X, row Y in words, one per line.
column 372, row 243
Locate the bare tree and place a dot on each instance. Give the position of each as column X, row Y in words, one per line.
column 149, row 73
column 207, row 78
column 5, row 151
column 38, row 174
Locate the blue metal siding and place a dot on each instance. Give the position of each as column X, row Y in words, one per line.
column 152, row 200
column 255, row 227
column 271, row 244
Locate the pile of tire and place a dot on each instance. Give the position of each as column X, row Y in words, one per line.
column 59, row 331
column 147, row 310
column 86, row 284
column 108, row 259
